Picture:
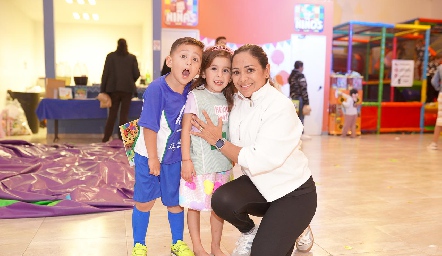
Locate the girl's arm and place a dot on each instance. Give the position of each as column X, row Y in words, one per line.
column 187, row 169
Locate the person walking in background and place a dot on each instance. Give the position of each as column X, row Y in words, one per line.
column 157, row 150
column 221, row 40
column 118, row 80
column 298, row 91
column 436, row 82
column 351, row 112
column 204, row 168
column 277, row 183
column 434, row 62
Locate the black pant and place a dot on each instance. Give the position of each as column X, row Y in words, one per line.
column 283, row 220
column 432, row 94
column 117, row 98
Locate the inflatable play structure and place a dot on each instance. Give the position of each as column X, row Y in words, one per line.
column 393, row 96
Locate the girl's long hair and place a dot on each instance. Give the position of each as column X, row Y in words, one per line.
column 208, row 56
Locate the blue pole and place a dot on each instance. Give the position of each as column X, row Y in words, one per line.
column 49, row 38
column 424, row 80
column 350, row 47
column 156, row 28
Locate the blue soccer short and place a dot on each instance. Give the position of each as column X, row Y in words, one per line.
column 149, row 187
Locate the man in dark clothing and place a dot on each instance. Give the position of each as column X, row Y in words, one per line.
column 298, row 89
column 118, row 80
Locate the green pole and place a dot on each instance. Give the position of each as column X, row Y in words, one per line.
column 381, row 78
column 367, row 68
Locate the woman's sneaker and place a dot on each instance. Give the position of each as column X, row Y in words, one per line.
column 304, row 243
column 139, row 250
column 432, row 146
column 180, row 248
column 244, row 243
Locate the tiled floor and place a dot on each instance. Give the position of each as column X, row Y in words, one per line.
column 378, row 195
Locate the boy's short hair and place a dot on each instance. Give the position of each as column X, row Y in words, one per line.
column 219, row 39
column 186, row 40
column 353, row 91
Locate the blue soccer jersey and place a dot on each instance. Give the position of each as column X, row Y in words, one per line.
column 162, row 113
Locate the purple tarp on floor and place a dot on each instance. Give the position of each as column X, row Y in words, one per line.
column 86, row 178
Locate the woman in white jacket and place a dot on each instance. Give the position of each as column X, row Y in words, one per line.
column 265, row 134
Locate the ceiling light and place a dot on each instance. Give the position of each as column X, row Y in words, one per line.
column 69, row 1
column 95, row 16
column 92, row 2
column 80, row 1
column 86, row 16
column 76, row 15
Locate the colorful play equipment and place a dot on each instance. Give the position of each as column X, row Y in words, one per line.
column 430, row 113
column 383, row 114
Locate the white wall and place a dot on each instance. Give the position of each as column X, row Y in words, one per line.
column 89, row 44
column 17, row 50
column 22, row 47
column 385, row 11
column 146, row 49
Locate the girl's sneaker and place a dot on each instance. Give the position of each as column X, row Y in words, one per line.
column 180, row 248
column 432, row 146
column 139, row 250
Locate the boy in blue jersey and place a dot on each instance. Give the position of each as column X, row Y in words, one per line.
column 158, row 148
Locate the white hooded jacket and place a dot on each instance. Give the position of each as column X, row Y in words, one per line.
column 268, row 129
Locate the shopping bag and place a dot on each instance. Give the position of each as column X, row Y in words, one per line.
column 296, row 104
column 129, row 134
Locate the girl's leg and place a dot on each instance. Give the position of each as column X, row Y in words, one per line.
column 346, row 125
column 294, row 210
column 353, row 125
column 193, row 222
column 436, row 134
column 216, row 225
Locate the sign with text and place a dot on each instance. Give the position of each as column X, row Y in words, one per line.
column 309, row 18
column 181, row 12
column 402, row 73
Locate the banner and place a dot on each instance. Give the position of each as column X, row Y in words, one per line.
column 402, row 73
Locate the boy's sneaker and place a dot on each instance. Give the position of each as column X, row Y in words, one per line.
column 432, row 146
column 180, row 248
column 304, row 243
column 244, row 243
column 139, row 250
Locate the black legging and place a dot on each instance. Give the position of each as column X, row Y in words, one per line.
column 117, row 97
column 283, row 220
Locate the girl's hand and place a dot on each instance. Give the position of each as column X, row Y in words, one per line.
column 187, row 170
column 208, row 131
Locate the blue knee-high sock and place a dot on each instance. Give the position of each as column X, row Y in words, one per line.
column 140, row 221
column 176, row 222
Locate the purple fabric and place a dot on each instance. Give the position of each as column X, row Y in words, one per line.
column 87, row 178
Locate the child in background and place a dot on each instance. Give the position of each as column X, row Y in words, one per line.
column 351, row 112
column 204, row 168
column 157, row 150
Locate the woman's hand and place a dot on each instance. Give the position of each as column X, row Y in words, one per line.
column 208, row 131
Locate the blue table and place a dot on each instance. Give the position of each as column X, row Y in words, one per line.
column 76, row 110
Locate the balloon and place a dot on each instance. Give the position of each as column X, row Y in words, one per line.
column 281, row 77
column 277, row 57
